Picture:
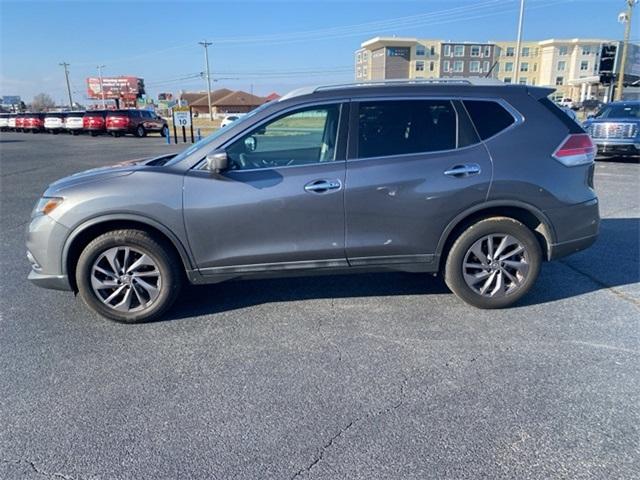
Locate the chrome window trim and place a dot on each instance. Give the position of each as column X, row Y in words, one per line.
column 517, row 116
column 339, row 101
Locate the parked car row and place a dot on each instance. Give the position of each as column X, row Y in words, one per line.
column 94, row 122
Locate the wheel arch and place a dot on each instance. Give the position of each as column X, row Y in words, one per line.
column 529, row 215
column 87, row 231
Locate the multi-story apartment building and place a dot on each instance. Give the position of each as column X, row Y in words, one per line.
column 395, row 57
column 570, row 66
column 467, row 59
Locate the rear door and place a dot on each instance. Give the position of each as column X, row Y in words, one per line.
column 414, row 164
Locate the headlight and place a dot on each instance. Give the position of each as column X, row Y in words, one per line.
column 46, row 205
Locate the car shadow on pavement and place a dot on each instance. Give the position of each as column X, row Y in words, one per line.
column 614, row 260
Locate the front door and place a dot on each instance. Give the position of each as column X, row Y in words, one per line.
column 280, row 205
column 416, row 164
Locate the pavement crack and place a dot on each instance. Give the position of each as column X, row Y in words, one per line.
column 31, row 464
column 602, row 284
column 372, row 414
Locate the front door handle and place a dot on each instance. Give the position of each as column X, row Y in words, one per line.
column 322, row 186
column 463, row 170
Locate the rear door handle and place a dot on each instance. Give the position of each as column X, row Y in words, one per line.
column 322, row 186
column 463, row 170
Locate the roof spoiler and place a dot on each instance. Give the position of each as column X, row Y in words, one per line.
column 540, row 92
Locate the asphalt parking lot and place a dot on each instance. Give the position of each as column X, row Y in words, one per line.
column 352, row 377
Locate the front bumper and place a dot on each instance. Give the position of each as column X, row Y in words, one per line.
column 45, row 242
column 576, row 228
column 617, row 147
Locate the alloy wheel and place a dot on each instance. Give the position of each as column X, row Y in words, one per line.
column 126, row 279
column 496, row 265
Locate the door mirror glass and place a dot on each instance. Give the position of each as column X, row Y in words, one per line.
column 217, row 162
column 250, row 144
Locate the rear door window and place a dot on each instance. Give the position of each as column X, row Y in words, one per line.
column 400, row 127
column 488, row 116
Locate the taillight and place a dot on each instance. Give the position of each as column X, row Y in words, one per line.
column 576, row 149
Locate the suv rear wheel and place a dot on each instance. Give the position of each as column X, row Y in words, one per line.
column 128, row 276
column 493, row 263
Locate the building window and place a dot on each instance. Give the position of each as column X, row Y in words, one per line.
column 474, row 66
column 508, row 67
column 432, row 52
column 365, row 56
column 586, row 50
column 522, row 80
column 485, row 66
column 525, row 51
column 364, row 71
column 535, row 67
column 584, row 65
column 447, row 50
column 496, row 67
column 458, row 50
column 445, row 66
column 487, row 51
column 420, row 51
column 563, row 51
column 420, row 66
column 559, row 80
column 458, row 66
column 507, row 80
column 359, row 58
column 533, row 81
column 431, row 66
column 561, row 66
column 397, row 52
column 475, row 50
column 510, row 51
column 524, row 67
column 358, row 72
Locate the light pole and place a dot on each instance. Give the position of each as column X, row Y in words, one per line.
column 519, row 41
column 626, row 18
column 66, row 76
column 206, row 45
column 104, row 104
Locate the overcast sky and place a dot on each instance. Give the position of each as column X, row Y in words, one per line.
column 264, row 45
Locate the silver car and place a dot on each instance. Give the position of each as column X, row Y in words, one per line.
column 479, row 182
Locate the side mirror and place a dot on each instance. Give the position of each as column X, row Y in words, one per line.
column 217, row 162
column 250, row 144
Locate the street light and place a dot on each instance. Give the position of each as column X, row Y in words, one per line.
column 624, row 17
column 100, row 67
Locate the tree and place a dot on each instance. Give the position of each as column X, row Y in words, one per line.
column 42, row 102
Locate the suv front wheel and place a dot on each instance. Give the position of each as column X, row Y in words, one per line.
column 128, row 276
column 493, row 263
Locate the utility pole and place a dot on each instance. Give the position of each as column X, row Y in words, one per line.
column 66, row 76
column 104, row 104
column 627, row 33
column 206, row 45
column 519, row 42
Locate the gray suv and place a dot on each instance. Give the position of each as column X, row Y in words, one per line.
column 480, row 182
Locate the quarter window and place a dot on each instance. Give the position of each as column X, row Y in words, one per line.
column 402, row 127
column 299, row 138
column 489, row 117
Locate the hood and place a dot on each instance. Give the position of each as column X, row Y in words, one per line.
column 101, row 173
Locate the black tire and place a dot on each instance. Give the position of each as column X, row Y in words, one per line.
column 165, row 131
column 140, row 131
column 166, row 261
column 531, row 257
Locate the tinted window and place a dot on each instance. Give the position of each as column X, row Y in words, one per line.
column 405, row 126
column 488, row 117
column 629, row 111
column 298, row 138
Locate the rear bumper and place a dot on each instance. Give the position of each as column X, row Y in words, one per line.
column 576, row 228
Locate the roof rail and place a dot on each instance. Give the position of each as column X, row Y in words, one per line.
column 384, row 83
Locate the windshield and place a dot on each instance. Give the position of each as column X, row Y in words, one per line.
column 619, row 111
column 211, row 138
